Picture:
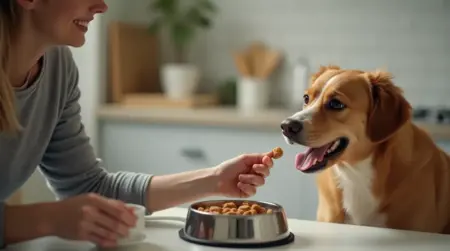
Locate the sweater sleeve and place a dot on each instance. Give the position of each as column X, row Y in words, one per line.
column 70, row 164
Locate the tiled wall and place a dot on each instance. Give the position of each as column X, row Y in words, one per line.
column 410, row 38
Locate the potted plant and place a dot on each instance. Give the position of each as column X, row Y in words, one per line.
column 182, row 19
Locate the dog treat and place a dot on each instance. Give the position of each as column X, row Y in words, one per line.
column 277, row 153
column 230, row 208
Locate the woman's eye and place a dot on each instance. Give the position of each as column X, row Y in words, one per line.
column 306, row 99
column 335, row 104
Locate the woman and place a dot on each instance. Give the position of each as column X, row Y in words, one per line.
column 40, row 125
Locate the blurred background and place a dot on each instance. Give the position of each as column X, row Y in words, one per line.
column 169, row 88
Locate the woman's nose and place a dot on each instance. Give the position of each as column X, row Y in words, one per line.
column 99, row 7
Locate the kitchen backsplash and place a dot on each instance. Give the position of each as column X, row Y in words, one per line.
column 410, row 38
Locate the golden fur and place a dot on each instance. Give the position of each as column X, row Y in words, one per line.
column 411, row 176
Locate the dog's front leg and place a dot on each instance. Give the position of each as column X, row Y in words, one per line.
column 330, row 200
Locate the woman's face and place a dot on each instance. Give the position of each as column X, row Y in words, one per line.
column 61, row 22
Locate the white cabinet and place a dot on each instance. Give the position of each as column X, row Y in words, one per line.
column 164, row 149
column 445, row 145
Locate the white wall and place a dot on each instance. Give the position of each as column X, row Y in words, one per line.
column 411, row 38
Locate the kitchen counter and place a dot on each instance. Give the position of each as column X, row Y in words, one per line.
column 162, row 235
column 223, row 117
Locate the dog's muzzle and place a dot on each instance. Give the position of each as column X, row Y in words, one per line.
column 291, row 128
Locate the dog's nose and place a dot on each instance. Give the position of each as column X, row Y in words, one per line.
column 292, row 126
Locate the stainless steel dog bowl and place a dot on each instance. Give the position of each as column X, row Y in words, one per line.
column 236, row 230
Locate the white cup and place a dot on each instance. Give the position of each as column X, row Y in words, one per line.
column 136, row 233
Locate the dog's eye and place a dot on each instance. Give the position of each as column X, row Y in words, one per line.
column 335, row 104
column 306, row 99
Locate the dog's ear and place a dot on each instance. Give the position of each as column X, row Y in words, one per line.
column 321, row 70
column 389, row 109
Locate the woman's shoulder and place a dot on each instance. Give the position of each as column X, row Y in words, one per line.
column 59, row 53
column 60, row 59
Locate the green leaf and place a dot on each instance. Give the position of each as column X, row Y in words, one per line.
column 204, row 22
column 182, row 33
column 208, row 5
column 167, row 7
column 196, row 17
column 193, row 15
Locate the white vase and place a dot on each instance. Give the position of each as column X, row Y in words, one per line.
column 252, row 95
column 179, row 81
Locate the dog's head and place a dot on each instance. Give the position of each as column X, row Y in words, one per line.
column 345, row 113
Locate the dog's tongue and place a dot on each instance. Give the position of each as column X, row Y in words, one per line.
column 306, row 160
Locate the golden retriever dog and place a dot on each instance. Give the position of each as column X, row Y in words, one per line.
column 374, row 166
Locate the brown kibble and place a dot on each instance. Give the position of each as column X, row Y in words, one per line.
column 229, row 205
column 258, row 208
column 244, row 207
column 277, row 153
column 247, row 213
column 269, row 211
column 226, row 210
column 255, row 206
column 253, row 212
column 230, row 208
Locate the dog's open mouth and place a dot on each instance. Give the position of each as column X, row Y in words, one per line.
column 315, row 159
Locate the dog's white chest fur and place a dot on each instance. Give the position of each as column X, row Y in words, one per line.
column 358, row 200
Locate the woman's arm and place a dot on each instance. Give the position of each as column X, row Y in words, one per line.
column 25, row 222
column 69, row 162
column 171, row 190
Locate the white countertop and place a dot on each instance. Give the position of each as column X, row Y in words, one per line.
column 222, row 117
column 309, row 235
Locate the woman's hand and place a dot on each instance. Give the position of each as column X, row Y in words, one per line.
column 92, row 217
column 241, row 176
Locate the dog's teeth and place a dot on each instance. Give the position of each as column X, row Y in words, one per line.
column 335, row 145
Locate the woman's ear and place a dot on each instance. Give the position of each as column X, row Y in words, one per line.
column 389, row 108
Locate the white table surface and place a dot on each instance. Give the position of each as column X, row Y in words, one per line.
column 309, row 235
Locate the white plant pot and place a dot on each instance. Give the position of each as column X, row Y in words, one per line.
column 179, row 81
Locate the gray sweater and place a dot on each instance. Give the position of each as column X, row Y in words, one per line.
column 53, row 139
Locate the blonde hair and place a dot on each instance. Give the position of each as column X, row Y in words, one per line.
column 9, row 121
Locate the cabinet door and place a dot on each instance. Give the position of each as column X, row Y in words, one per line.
column 164, row 149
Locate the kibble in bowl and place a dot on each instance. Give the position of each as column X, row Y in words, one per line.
column 235, row 208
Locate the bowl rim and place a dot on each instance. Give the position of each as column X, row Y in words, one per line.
column 279, row 208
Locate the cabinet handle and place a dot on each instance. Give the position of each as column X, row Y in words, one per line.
column 193, row 153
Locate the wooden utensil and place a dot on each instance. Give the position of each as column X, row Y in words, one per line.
column 241, row 64
column 257, row 50
column 270, row 62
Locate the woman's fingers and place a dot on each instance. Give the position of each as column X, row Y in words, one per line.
column 110, row 224
column 261, row 169
column 252, row 179
column 115, row 209
column 266, row 160
column 246, row 189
